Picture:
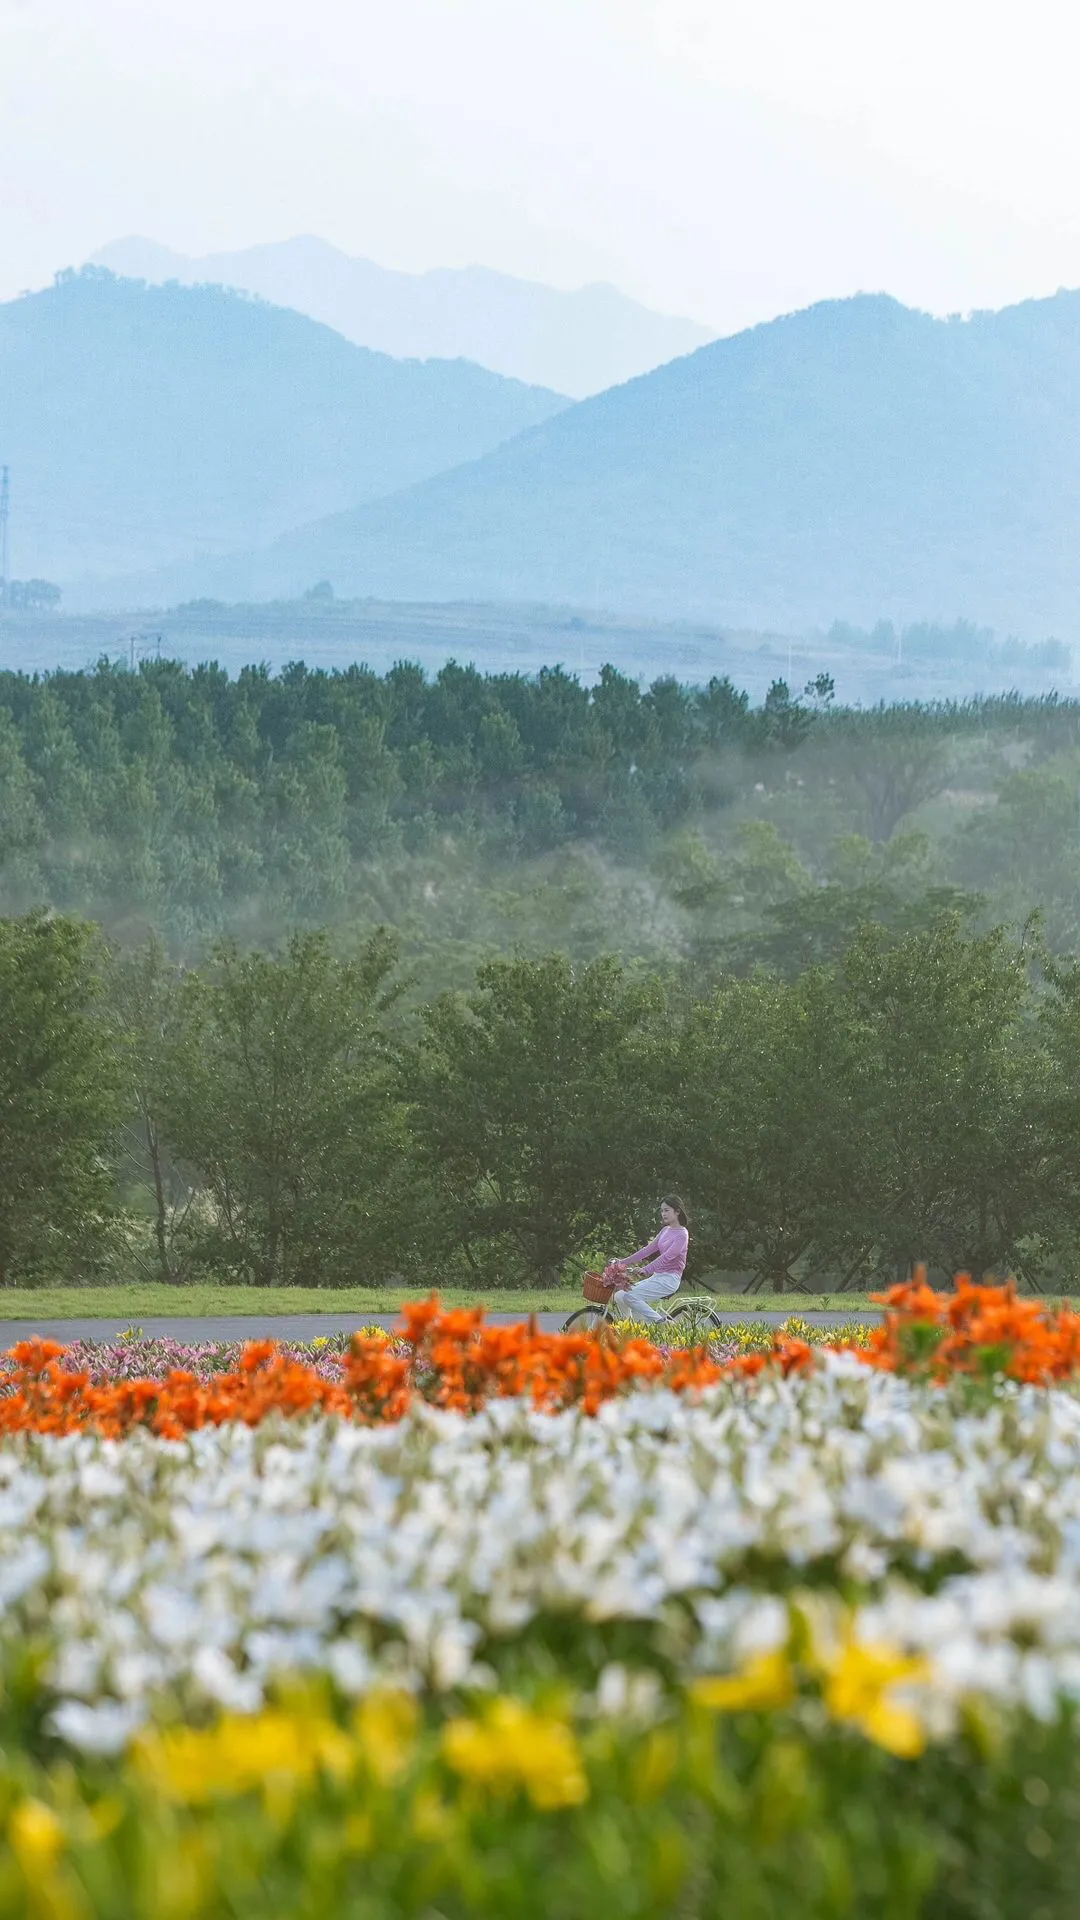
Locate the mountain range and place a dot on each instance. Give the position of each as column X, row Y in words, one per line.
column 856, row 459
column 145, row 425
column 575, row 342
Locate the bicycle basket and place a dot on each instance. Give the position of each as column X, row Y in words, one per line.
column 597, row 1289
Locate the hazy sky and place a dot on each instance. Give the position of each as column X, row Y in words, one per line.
column 722, row 158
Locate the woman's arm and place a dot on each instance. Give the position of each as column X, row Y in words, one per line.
column 670, row 1242
column 643, row 1253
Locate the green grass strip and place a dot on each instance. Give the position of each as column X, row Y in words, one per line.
column 154, row 1300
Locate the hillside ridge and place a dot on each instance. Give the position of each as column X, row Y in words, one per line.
column 144, row 425
column 856, row 459
column 576, row 341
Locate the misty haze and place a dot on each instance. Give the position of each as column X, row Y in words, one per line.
column 539, row 960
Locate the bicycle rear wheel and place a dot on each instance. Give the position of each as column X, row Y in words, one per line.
column 584, row 1319
column 706, row 1317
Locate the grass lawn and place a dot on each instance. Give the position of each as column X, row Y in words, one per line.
column 151, row 1299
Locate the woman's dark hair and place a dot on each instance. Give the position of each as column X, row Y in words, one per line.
column 673, row 1200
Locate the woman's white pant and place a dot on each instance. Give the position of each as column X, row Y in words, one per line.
column 636, row 1302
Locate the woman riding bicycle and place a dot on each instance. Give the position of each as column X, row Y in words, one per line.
column 661, row 1265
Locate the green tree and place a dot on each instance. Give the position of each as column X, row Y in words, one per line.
column 281, row 1097
column 726, row 899
column 1054, row 1252
column 896, row 886
column 59, row 1102
column 1026, row 849
column 145, row 1003
column 888, row 761
column 860, row 1118
column 527, row 1098
column 22, row 830
column 782, row 724
column 722, row 714
column 308, row 857
column 762, row 1107
column 957, row 1160
column 66, row 799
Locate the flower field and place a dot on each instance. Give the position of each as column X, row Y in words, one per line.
column 481, row 1621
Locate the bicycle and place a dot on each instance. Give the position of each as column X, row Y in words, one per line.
column 595, row 1312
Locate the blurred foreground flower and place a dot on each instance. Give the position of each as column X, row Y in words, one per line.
column 513, row 1746
column 870, row 1687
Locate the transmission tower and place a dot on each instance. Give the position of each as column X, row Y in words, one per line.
column 4, row 502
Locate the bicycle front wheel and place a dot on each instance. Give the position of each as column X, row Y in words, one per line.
column 584, row 1319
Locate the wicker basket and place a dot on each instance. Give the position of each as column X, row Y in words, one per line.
column 599, row 1287
column 596, row 1288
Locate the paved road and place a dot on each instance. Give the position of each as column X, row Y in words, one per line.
column 307, row 1326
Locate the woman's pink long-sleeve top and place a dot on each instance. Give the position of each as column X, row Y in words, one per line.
column 665, row 1254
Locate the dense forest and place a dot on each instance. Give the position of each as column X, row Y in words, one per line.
column 313, row 977
column 292, row 1117
column 480, row 814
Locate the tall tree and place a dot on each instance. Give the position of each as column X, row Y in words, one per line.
column 957, row 1167
column 889, row 761
column 283, row 1102
column 145, row 1003
column 527, row 1100
column 59, row 1103
column 764, row 1083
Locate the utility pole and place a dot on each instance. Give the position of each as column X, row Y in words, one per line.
column 4, row 508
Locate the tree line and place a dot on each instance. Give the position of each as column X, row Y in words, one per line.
column 29, row 595
column 298, row 1116
column 202, row 805
column 181, row 795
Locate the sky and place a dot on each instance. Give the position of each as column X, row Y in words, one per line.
column 725, row 159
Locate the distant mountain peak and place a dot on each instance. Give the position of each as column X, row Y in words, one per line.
column 857, row 455
column 575, row 342
column 145, row 424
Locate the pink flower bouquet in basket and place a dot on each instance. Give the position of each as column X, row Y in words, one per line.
column 599, row 1287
